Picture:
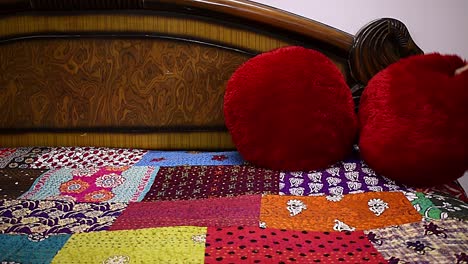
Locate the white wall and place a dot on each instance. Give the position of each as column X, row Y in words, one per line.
column 435, row 25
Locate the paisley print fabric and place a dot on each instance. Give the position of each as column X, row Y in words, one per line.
column 83, row 157
column 40, row 219
column 352, row 212
column 16, row 157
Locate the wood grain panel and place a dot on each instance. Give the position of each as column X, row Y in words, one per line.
column 114, row 83
column 172, row 140
column 140, row 23
column 238, row 11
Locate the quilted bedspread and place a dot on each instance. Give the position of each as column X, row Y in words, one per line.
column 101, row 205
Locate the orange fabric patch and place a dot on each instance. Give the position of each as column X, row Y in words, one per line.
column 353, row 210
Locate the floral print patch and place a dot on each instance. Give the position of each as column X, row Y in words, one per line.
column 94, row 185
column 40, row 219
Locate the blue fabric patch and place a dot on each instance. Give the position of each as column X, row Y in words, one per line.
column 21, row 249
column 192, row 158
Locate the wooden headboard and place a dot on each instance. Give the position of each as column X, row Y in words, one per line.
column 151, row 73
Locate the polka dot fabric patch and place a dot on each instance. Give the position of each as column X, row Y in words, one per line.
column 14, row 182
column 354, row 211
column 197, row 182
column 255, row 245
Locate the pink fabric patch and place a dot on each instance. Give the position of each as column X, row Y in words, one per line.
column 255, row 245
column 93, row 185
column 242, row 210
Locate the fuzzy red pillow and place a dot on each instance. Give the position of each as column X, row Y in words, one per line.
column 290, row 109
column 414, row 120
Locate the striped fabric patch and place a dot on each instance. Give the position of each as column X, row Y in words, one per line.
column 347, row 213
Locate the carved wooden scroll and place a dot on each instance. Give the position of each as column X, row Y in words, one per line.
column 377, row 45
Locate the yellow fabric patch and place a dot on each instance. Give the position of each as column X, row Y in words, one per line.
column 184, row 244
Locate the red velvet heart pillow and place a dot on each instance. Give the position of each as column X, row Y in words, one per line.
column 290, row 109
column 414, row 120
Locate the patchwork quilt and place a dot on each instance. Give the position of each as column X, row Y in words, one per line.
column 102, row 205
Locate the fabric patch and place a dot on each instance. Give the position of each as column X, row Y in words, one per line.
column 40, row 219
column 425, row 207
column 450, row 189
column 454, row 208
column 242, row 210
column 152, row 245
column 352, row 212
column 254, row 245
column 443, row 241
column 190, row 158
column 8, row 155
column 114, row 184
column 83, row 157
column 14, row 182
column 195, row 182
column 20, row 249
column 351, row 176
column 26, row 157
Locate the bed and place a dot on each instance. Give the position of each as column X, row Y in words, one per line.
column 114, row 147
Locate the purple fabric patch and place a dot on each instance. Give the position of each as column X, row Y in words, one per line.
column 350, row 176
column 39, row 219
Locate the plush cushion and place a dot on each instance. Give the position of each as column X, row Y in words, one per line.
column 414, row 120
column 290, row 109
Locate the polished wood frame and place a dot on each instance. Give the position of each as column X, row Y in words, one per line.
column 243, row 27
